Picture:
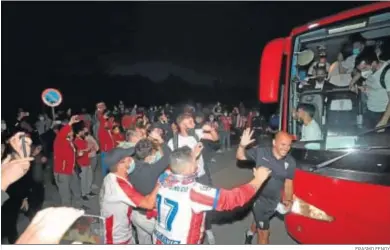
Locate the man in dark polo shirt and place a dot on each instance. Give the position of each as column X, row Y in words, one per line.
column 283, row 166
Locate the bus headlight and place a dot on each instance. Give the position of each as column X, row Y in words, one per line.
column 307, row 210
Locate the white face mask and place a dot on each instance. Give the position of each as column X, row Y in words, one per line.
column 41, row 118
column 3, row 126
column 131, row 167
column 211, row 118
column 366, row 73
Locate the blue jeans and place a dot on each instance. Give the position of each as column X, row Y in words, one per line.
column 105, row 168
column 224, row 139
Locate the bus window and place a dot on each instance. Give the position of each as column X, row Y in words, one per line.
column 339, row 112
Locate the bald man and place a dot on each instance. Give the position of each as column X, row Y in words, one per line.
column 283, row 165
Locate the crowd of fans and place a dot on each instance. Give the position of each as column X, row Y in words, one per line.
column 123, row 152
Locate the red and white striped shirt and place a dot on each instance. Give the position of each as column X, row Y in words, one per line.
column 117, row 198
column 240, row 121
column 181, row 207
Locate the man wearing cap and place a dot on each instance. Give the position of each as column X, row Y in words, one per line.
column 118, row 197
column 321, row 63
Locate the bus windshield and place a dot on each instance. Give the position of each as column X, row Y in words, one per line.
column 333, row 101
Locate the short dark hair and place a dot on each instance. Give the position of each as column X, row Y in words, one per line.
column 368, row 55
column 308, row 108
column 179, row 157
column 143, row 149
column 78, row 127
column 182, row 117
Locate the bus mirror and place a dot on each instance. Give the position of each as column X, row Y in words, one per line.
column 270, row 70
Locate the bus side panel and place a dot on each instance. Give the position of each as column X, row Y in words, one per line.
column 361, row 211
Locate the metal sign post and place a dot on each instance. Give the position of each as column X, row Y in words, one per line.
column 52, row 98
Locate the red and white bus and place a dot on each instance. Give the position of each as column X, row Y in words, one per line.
column 342, row 184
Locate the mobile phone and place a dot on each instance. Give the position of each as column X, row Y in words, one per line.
column 88, row 229
column 23, row 139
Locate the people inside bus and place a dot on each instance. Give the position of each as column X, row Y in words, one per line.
column 319, row 82
column 320, row 63
column 377, row 88
column 311, row 131
column 347, row 65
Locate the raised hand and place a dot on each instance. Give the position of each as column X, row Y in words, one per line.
column 74, row 119
column 12, row 171
column 246, row 138
column 17, row 144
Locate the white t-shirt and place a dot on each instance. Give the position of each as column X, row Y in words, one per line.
column 349, row 63
column 117, row 198
column 191, row 142
column 311, row 131
column 377, row 97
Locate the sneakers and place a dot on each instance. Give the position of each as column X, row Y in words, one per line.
column 210, row 237
column 248, row 238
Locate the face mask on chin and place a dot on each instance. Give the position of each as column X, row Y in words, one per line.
column 131, row 167
column 365, row 74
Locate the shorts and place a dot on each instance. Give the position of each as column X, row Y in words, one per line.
column 263, row 210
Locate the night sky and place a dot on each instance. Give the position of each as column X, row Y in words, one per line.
column 57, row 44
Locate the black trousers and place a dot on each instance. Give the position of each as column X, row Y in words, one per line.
column 36, row 200
column 9, row 219
column 206, row 180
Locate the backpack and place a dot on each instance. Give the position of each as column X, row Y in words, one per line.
column 383, row 75
column 175, row 139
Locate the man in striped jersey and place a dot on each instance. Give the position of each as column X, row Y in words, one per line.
column 118, row 197
column 182, row 202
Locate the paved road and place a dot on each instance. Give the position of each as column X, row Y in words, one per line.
column 225, row 174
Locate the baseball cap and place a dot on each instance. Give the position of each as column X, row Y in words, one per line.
column 114, row 156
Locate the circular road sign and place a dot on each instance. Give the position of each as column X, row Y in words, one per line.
column 51, row 97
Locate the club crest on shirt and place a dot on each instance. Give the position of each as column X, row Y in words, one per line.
column 285, row 165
